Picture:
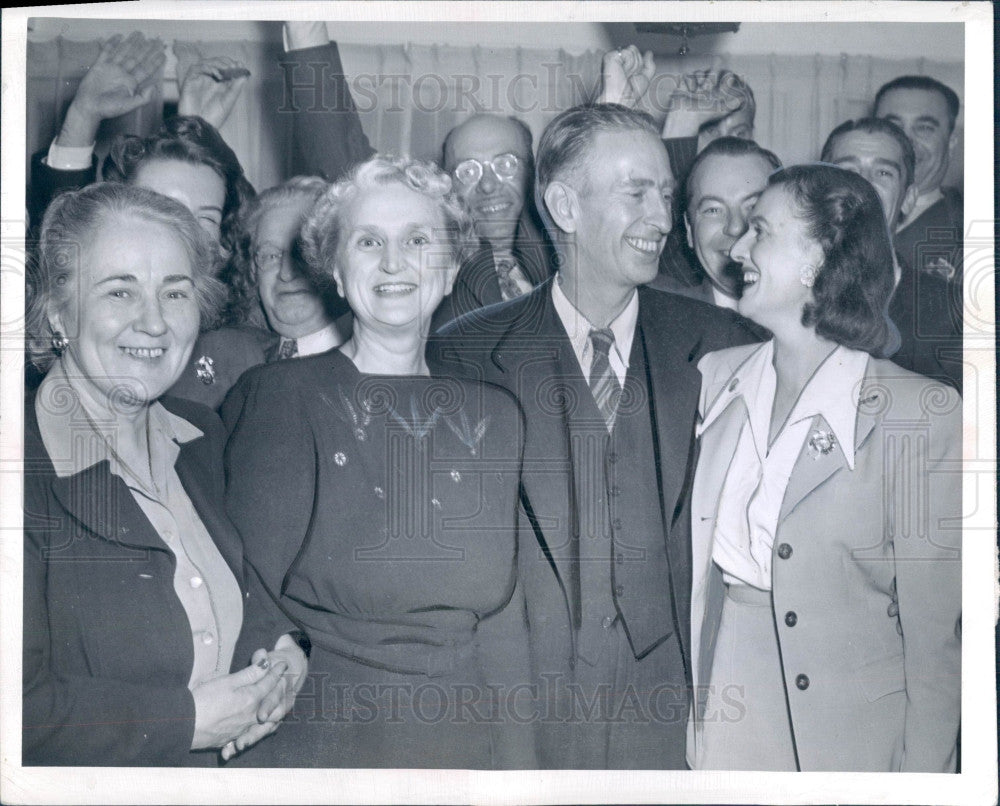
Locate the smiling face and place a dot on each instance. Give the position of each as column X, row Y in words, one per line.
column 878, row 158
column 133, row 319
column 774, row 252
column 624, row 197
column 197, row 187
column 722, row 191
column 495, row 203
column 291, row 304
column 394, row 262
column 923, row 117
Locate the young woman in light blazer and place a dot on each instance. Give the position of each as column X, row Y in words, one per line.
column 826, row 509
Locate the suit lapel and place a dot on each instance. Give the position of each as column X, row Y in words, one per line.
column 191, row 467
column 531, row 355
column 674, row 384
column 102, row 502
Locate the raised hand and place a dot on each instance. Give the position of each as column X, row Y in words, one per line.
column 625, row 76
column 209, row 87
column 702, row 99
column 122, row 79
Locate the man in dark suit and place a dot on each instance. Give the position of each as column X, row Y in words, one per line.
column 926, row 309
column 604, row 370
column 929, row 236
column 492, row 167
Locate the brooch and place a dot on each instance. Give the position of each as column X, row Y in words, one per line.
column 204, row 368
column 821, row 443
column 467, row 435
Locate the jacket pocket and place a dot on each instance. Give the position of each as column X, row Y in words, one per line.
column 882, row 677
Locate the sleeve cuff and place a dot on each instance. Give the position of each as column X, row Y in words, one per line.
column 313, row 37
column 69, row 158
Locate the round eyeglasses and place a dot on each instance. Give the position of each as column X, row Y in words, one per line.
column 470, row 171
column 268, row 258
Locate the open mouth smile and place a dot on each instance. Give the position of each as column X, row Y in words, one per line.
column 395, row 289
column 750, row 276
column 644, row 245
column 143, row 353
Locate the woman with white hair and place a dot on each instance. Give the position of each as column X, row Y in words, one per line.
column 378, row 502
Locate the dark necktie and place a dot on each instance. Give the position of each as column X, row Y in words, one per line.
column 603, row 381
column 289, row 348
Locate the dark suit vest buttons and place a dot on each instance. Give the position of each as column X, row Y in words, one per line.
column 791, row 619
column 619, row 591
column 617, row 523
column 620, row 558
column 615, row 492
column 612, row 457
column 802, row 682
column 784, row 551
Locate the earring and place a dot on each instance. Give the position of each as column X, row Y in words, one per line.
column 59, row 342
column 807, row 276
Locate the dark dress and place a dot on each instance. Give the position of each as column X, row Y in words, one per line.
column 380, row 511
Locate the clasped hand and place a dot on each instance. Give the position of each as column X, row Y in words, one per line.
column 237, row 710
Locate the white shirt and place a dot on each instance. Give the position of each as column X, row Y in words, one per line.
column 578, row 329
column 755, row 484
column 320, row 341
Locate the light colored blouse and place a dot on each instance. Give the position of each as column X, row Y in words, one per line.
column 758, row 475
column 81, row 434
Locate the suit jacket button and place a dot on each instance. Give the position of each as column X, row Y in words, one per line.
column 791, row 619
column 612, row 457
column 802, row 682
column 615, row 491
column 619, row 558
column 617, row 523
column 620, row 591
column 606, row 622
column 784, row 551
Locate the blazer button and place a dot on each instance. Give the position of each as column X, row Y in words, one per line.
column 620, row 558
column 617, row 523
column 784, row 551
column 620, row 591
column 615, row 491
column 791, row 619
column 802, row 682
column 612, row 457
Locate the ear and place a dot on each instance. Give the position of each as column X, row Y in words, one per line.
column 687, row 229
column 452, row 273
column 563, row 204
column 952, row 142
column 338, row 280
column 909, row 200
column 55, row 319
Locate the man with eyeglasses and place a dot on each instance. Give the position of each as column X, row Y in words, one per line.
column 306, row 323
column 490, row 161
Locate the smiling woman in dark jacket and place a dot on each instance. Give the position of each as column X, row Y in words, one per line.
column 134, row 584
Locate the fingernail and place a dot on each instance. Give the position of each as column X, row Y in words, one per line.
column 264, row 663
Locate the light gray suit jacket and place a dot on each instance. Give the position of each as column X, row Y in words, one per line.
column 852, row 549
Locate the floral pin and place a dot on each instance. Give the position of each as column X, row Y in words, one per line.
column 469, row 436
column 821, row 443
column 204, row 369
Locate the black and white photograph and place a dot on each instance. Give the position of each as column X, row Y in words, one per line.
column 498, row 403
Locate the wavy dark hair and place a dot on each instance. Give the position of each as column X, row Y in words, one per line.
column 192, row 139
column 851, row 294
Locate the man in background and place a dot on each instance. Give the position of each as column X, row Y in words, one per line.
column 490, row 160
column 929, row 237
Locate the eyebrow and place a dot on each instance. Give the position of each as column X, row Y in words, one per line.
column 118, row 278
column 646, row 183
column 178, row 278
column 851, row 159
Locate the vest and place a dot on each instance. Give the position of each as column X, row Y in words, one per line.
column 623, row 567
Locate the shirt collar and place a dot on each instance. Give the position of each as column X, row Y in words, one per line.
column 326, row 338
column 831, row 393
column 62, row 423
column 578, row 327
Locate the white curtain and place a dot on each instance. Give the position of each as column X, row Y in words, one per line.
column 409, row 96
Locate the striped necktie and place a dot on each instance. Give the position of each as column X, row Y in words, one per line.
column 603, row 381
column 289, row 348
